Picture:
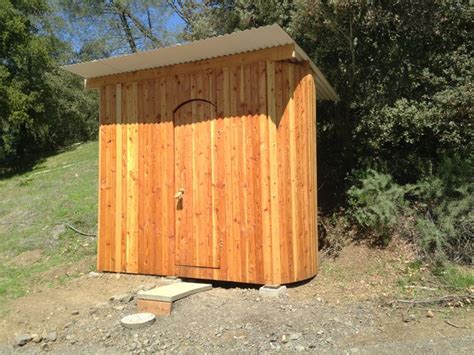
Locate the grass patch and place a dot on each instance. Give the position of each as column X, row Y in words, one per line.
column 420, row 280
column 61, row 188
column 455, row 277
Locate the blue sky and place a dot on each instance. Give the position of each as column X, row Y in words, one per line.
column 175, row 21
column 76, row 33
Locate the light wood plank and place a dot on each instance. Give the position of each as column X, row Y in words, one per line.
column 102, row 182
column 256, row 106
column 292, row 159
column 265, row 175
column 230, row 270
column 118, row 174
column 132, row 179
column 273, row 172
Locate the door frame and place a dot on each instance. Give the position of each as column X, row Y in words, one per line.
column 216, row 263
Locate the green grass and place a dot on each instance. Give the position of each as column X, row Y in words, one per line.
column 455, row 277
column 32, row 205
column 421, row 280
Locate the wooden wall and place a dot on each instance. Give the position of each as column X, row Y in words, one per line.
column 257, row 149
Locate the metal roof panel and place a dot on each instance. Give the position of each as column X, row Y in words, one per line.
column 214, row 47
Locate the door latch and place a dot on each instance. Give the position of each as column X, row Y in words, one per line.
column 179, row 194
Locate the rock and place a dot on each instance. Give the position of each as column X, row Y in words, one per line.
column 119, row 308
column 295, row 336
column 22, row 339
column 50, row 337
column 409, row 318
column 320, row 332
column 275, row 346
column 67, row 325
column 125, row 298
column 430, row 313
column 284, row 339
column 75, row 312
column 94, row 274
column 37, row 338
column 145, row 287
column 44, row 347
column 299, row 348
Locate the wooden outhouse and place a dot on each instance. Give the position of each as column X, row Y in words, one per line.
column 207, row 163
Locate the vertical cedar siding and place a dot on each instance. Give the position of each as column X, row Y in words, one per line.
column 254, row 155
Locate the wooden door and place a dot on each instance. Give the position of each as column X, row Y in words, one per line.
column 196, row 242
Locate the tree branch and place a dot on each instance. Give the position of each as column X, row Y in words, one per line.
column 128, row 32
column 142, row 28
column 177, row 6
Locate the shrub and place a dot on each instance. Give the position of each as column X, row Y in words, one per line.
column 376, row 203
column 444, row 209
column 437, row 212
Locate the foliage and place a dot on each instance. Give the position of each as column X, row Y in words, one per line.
column 404, row 72
column 445, row 210
column 216, row 17
column 41, row 108
column 414, row 133
column 441, row 207
column 376, row 204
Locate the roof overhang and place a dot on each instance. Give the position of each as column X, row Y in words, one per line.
column 262, row 39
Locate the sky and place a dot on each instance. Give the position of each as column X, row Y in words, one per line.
column 175, row 21
column 76, row 33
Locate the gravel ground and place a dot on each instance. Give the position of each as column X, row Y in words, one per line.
column 337, row 312
column 240, row 320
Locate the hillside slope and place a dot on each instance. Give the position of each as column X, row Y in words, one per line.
column 33, row 240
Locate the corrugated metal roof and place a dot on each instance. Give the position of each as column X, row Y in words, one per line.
column 233, row 43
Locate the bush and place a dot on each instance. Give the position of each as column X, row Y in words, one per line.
column 444, row 209
column 437, row 211
column 376, row 203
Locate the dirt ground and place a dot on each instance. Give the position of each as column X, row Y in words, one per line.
column 348, row 308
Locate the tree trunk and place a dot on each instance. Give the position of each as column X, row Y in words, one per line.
column 128, row 32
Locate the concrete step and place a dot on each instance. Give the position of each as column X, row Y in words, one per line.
column 173, row 292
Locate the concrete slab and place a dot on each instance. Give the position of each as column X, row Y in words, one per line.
column 173, row 292
column 272, row 290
